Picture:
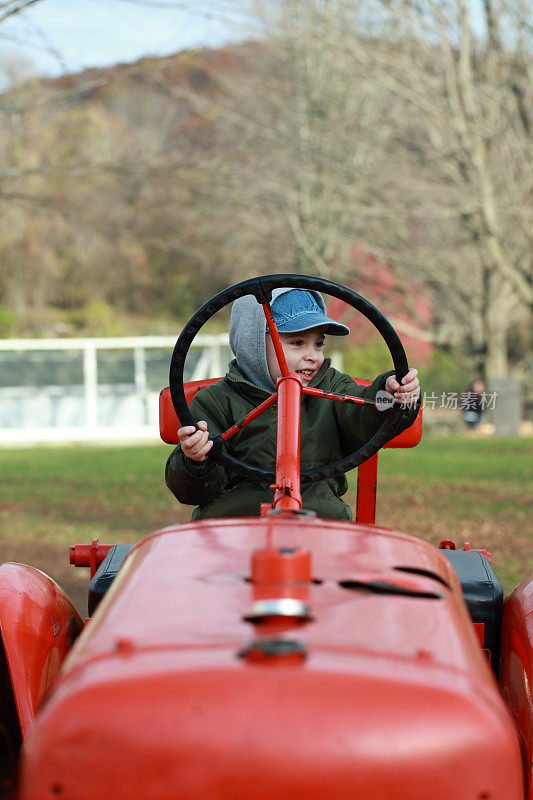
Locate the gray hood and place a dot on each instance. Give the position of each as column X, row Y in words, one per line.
column 247, row 333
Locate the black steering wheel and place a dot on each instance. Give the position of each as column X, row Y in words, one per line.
column 261, row 288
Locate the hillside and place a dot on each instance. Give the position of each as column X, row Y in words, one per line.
column 101, row 231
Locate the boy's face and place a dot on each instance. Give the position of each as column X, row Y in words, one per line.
column 304, row 353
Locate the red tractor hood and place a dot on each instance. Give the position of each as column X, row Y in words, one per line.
column 382, row 691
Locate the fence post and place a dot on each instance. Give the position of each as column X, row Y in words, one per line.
column 139, row 360
column 90, row 385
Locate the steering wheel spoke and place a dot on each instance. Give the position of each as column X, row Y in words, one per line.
column 276, row 341
column 343, row 398
column 249, row 417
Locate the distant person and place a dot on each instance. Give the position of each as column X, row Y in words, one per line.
column 329, row 430
column 473, row 404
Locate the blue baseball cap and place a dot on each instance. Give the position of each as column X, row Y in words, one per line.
column 299, row 310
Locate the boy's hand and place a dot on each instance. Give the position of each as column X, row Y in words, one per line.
column 195, row 443
column 408, row 392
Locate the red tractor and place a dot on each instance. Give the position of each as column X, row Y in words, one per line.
column 282, row 656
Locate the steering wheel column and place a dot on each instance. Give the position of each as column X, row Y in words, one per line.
column 287, row 496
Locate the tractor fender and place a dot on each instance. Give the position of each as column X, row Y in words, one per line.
column 516, row 672
column 38, row 624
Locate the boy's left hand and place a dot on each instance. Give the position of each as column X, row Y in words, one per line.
column 406, row 393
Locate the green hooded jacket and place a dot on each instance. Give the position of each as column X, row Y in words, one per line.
column 330, row 430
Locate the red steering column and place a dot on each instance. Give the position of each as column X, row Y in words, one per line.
column 287, row 496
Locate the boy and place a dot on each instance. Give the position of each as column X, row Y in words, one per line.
column 330, row 430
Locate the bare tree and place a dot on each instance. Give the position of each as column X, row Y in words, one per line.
column 470, row 139
column 9, row 8
column 301, row 143
column 397, row 124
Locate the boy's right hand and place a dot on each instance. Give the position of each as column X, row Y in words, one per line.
column 195, row 443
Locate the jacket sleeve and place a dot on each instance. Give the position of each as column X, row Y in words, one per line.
column 359, row 423
column 191, row 482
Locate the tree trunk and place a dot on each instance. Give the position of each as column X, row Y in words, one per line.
column 497, row 365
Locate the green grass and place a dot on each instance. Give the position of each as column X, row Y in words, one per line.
column 90, row 489
column 455, row 458
column 466, row 489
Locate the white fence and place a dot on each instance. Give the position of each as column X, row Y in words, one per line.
column 55, row 390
